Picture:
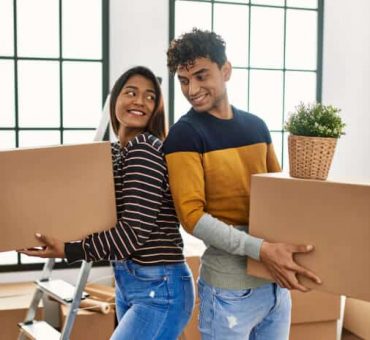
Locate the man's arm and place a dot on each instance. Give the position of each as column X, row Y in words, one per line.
column 186, row 177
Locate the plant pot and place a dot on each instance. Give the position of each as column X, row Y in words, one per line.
column 310, row 157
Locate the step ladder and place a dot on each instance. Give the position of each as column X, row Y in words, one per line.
column 60, row 290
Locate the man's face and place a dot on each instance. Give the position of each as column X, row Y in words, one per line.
column 204, row 84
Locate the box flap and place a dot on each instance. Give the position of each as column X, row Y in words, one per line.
column 357, row 317
column 314, row 306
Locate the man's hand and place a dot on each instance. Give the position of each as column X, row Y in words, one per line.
column 279, row 260
column 52, row 248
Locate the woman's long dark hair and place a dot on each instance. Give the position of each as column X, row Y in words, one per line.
column 156, row 125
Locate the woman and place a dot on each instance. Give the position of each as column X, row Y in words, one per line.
column 154, row 286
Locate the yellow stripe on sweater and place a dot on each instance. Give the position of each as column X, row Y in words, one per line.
column 217, row 182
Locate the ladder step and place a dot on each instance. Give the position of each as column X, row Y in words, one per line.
column 59, row 290
column 39, row 330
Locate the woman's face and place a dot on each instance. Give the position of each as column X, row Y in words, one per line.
column 135, row 103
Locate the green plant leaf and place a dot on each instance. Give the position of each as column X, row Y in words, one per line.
column 315, row 120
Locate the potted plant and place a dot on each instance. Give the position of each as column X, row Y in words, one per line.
column 314, row 130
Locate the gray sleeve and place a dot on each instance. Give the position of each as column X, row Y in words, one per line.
column 222, row 236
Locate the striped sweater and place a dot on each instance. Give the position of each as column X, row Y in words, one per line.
column 147, row 229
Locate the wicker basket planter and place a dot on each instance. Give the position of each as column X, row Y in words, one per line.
column 310, row 157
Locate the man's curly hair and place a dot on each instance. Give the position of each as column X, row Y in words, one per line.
column 195, row 44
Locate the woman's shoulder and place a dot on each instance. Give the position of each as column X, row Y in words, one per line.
column 146, row 148
column 146, row 139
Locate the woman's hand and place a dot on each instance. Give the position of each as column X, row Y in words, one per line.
column 52, row 248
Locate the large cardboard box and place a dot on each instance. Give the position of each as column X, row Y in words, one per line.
column 357, row 317
column 314, row 316
column 65, row 191
column 326, row 330
column 15, row 299
column 332, row 216
column 314, row 306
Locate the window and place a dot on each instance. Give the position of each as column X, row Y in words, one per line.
column 54, row 78
column 275, row 47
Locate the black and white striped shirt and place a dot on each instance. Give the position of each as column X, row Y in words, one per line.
column 147, row 230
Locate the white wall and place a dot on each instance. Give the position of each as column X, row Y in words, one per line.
column 139, row 36
column 346, row 82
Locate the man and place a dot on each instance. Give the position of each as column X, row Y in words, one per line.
column 211, row 153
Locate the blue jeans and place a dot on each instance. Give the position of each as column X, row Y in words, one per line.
column 152, row 302
column 261, row 313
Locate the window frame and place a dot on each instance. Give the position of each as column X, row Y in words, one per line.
column 319, row 66
column 19, row 266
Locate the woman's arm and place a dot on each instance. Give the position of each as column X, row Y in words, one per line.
column 144, row 173
column 144, row 177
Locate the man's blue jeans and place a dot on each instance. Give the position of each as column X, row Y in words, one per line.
column 261, row 313
column 152, row 302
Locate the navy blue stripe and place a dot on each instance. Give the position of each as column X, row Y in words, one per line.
column 202, row 132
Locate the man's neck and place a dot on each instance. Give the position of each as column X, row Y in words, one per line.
column 222, row 111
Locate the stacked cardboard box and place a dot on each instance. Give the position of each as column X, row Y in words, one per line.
column 357, row 318
column 314, row 316
column 15, row 299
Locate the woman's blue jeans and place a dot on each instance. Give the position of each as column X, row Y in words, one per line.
column 152, row 302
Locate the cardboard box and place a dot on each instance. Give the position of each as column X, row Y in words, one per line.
column 326, row 330
column 347, row 335
column 333, row 216
column 15, row 299
column 357, row 317
column 65, row 191
column 314, row 315
column 314, row 306
column 90, row 325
